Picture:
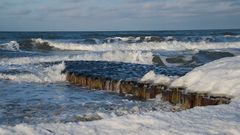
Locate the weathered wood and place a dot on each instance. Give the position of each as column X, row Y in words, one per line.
column 145, row 91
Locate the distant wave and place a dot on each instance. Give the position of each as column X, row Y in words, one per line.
column 156, row 39
column 232, row 36
column 131, row 39
column 35, row 44
column 47, row 45
column 27, row 45
column 119, row 56
column 167, row 46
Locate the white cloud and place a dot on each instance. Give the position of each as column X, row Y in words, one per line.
column 145, row 13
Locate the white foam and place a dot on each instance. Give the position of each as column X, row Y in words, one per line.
column 38, row 40
column 12, row 46
column 123, row 39
column 119, row 56
column 232, row 36
column 38, row 73
column 217, row 77
column 151, row 77
column 166, row 46
column 52, row 74
column 169, row 38
column 221, row 119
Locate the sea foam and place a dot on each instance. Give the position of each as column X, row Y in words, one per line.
column 37, row 73
column 165, row 46
column 11, row 46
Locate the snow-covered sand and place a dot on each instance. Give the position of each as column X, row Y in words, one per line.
column 217, row 77
column 220, row 77
column 212, row 120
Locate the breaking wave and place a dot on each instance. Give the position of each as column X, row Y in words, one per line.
column 34, row 69
column 36, row 73
column 47, row 45
column 119, row 56
column 11, row 46
column 167, row 46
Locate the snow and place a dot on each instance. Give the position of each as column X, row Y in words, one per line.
column 221, row 119
column 151, row 77
column 218, row 77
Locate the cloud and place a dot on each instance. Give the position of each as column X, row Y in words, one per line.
column 122, row 12
column 192, row 7
column 74, row 1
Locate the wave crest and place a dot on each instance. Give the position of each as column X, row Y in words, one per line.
column 38, row 74
column 11, row 46
column 165, row 46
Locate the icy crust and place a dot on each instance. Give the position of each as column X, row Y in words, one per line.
column 222, row 119
column 218, row 77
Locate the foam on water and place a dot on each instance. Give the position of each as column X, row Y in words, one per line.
column 35, row 73
column 33, row 69
column 166, row 46
column 12, row 46
column 120, row 56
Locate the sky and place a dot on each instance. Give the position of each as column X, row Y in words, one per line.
column 115, row 15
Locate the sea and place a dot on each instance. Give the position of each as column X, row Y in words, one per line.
column 34, row 89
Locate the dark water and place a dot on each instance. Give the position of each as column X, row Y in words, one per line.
column 33, row 90
column 158, row 36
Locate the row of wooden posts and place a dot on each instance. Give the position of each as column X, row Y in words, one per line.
column 145, row 91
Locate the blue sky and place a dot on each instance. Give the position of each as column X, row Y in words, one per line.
column 90, row 15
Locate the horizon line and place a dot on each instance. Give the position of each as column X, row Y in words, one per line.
column 120, row 30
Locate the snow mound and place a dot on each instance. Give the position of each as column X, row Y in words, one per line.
column 218, row 77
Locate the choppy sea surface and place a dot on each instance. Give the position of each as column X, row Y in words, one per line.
column 34, row 90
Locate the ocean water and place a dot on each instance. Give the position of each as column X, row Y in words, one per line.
column 34, row 90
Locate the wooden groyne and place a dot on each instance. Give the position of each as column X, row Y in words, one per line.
column 140, row 90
